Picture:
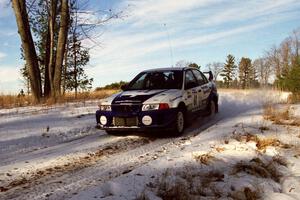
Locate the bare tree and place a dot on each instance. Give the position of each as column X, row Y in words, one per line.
column 61, row 46
column 19, row 7
column 51, row 27
column 285, row 56
column 296, row 43
column 182, row 63
column 264, row 70
column 216, row 68
column 273, row 58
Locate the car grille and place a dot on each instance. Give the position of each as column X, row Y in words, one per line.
column 125, row 121
column 126, row 108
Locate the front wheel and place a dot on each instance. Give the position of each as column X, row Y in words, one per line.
column 212, row 108
column 179, row 123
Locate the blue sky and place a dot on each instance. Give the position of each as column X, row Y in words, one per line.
column 200, row 31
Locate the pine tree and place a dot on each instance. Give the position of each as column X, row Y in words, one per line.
column 292, row 81
column 253, row 77
column 245, row 72
column 228, row 72
column 74, row 76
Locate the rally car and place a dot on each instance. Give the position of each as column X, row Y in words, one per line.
column 159, row 99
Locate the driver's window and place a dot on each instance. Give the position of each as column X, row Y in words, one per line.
column 199, row 77
column 190, row 80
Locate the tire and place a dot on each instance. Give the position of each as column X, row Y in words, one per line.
column 212, row 108
column 179, row 123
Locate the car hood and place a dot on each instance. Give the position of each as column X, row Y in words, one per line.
column 136, row 96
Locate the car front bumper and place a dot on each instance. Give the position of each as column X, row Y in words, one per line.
column 161, row 120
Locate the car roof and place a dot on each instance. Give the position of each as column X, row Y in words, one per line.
column 168, row 69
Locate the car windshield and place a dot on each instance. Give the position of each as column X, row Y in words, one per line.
column 156, row 80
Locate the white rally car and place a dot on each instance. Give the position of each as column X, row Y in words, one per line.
column 159, row 99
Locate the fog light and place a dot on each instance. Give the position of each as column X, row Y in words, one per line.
column 103, row 120
column 147, row 120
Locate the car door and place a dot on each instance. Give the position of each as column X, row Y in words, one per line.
column 190, row 91
column 203, row 90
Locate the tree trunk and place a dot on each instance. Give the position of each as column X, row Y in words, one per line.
column 47, row 86
column 61, row 47
column 51, row 24
column 75, row 62
column 19, row 7
column 65, row 69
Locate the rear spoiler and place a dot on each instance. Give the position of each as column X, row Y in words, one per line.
column 210, row 75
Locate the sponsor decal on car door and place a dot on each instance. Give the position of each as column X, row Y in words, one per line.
column 203, row 89
column 191, row 94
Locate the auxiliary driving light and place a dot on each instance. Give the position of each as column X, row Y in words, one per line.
column 103, row 120
column 147, row 120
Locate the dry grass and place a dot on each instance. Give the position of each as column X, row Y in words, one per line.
column 251, row 195
column 280, row 116
column 258, row 168
column 220, row 149
column 245, row 137
column 172, row 185
column 12, row 101
column 169, row 190
column 294, row 98
column 261, row 143
column 203, row 158
column 280, row 160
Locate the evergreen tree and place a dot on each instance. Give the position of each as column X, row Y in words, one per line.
column 228, row 72
column 75, row 77
column 77, row 56
column 291, row 82
column 253, row 77
column 245, row 72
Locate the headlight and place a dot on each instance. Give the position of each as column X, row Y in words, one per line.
column 160, row 106
column 147, row 107
column 105, row 107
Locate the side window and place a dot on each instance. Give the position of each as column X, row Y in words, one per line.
column 190, row 80
column 200, row 78
column 204, row 77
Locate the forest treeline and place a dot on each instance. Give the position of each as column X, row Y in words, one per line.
column 278, row 67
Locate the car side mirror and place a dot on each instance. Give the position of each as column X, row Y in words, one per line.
column 211, row 76
column 124, row 87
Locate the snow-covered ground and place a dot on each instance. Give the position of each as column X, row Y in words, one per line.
column 56, row 153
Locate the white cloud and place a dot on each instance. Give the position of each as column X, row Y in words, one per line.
column 240, row 10
column 9, row 79
column 160, row 9
column 2, row 55
column 8, row 74
column 141, row 40
column 149, row 38
column 4, row 7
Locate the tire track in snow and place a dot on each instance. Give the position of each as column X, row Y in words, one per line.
column 75, row 163
column 60, row 186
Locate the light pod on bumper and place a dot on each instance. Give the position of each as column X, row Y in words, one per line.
column 147, row 120
column 103, row 120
